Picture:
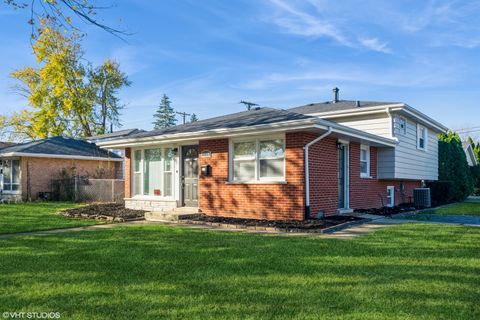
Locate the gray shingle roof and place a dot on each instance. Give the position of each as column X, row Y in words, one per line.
column 116, row 134
column 337, row 106
column 60, row 146
column 253, row 117
column 6, row 144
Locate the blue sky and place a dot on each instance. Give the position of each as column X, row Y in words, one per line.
column 208, row 55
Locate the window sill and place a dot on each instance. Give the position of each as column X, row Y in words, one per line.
column 12, row 192
column 256, row 182
column 366, row 177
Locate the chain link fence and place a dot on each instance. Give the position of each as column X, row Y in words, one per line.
column 81, row 189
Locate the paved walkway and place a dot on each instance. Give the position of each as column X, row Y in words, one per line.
column 375, row 223
column 474, row 199
column 473, row 221
column 75, row 229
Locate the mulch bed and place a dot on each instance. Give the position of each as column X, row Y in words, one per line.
column 105, row 211
column 387, row 211
column 317, row 225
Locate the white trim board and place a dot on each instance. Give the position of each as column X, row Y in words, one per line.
column 312, row 123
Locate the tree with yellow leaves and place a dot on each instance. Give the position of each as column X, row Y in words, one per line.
column 66, row 96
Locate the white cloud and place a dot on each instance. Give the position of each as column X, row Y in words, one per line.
column 375, row 45
column 298, row 22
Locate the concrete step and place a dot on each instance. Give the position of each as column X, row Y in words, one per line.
column 172, row 215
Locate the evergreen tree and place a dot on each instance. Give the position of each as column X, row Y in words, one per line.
column 453, row 165
column 165, row 115
column 193, row 118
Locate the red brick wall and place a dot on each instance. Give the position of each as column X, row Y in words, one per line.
column 323, row 171
column 41, row 171
column 259, row 201
column 368, row 193
column 128, row 177
column 273, row 201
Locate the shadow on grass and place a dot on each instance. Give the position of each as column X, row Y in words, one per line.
column 410, row 271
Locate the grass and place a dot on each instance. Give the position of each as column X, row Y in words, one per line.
column 459, row 208
column 412, row 271
column 23, row 217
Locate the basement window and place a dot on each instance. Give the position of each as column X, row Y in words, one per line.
column 261, row 159
column 10, row 177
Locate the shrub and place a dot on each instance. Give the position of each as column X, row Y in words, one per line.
column 441, row 192
column 453, row 166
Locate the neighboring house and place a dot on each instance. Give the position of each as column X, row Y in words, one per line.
column 266, row 163
column 471, row 159
column 28, row 168
column 6, row 144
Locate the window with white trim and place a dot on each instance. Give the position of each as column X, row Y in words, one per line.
column 364, row 161
column 11, row 175
column 422, row 137
column 390, row 196
column 261, row 159
column 400, row 125
column 153, row 172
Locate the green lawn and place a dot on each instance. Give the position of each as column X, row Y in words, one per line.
column 459, row 208
column 33, row 216
column 412, row 271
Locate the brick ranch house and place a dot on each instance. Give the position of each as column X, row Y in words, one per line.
column 27, row 169
column 319, row 159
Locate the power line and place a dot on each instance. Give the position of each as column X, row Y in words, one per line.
column 183, row 114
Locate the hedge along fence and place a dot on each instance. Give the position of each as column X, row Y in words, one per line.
column 80, row 189
column 453, row 166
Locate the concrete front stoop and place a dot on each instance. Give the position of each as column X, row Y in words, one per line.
column 175, row 214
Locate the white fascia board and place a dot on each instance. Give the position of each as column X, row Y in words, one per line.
column 352, row 112
column 380, row 109
column 211, row 134
column 364, row 136
column 55, row 156
column 422, row 117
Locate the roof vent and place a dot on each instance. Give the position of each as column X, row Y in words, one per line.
column 357, row 104
column 335, row 94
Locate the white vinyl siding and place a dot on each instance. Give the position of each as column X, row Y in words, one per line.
column 405, row 161
column 378, row 124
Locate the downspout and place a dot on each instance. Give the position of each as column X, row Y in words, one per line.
column 307, row 175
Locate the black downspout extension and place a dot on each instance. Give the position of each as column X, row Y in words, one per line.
column 307, row 212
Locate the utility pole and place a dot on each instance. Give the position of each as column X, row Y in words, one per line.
column 183, row 114
column 248, row 104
